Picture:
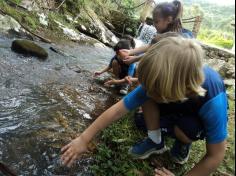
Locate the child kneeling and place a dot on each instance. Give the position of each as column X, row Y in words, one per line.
column 180, row 96
column 119, row 68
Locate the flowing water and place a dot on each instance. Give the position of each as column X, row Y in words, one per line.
column 44, row 104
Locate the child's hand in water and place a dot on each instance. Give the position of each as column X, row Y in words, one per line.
column 110, row 82
column 97, row 73
column 73, row 150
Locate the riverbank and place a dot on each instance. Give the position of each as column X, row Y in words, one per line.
column 58, row 101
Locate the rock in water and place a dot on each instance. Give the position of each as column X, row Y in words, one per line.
column 28, row 48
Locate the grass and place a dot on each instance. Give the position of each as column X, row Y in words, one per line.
column 115, row 142
column 111, row 157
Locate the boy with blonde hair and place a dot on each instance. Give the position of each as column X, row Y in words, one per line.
column 179, row 97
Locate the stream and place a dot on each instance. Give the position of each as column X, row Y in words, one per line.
column 44, row 104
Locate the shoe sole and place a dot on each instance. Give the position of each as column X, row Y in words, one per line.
column 123, row 92
column 149, row 153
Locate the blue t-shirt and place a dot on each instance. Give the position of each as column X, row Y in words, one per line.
column 187, row 33
column 212, row 108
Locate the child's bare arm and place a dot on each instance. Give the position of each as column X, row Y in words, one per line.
column 78, row 146
column 115, row 81
column 131, row 59
column 139, row 50
column 97, row 73
column 214, row 156
column 130, row 79
column 136, row 51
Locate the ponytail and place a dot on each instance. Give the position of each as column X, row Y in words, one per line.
column 179, row 9
column 173, row 9
column 177, row 20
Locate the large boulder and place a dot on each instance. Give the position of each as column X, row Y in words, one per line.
column 90, row 24
column 29, row 49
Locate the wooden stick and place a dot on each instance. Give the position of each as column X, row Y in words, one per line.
column 60, row 4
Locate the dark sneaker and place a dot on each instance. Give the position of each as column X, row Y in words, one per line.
column 124, row 89
column 145, row 148
column 180, row 152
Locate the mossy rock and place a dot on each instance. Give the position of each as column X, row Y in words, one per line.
column 29, row 48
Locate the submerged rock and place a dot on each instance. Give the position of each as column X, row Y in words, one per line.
column 28, row 48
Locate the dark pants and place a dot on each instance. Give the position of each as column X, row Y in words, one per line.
column 182, row 115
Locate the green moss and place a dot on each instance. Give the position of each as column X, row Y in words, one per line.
column 29, row 19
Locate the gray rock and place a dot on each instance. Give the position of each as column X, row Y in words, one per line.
column 29, row 48
column 7, row 24
column 90, row 24
column 229, row 83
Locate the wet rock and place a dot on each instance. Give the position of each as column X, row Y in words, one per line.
column 75, row 68
column 29, row 48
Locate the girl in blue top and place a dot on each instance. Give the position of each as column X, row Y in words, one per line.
column 166, row 18
column 180, row 97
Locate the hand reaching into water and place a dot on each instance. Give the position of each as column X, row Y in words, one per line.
column 97, row 73
column 111, row 82
column 163, row 172
column 73, row 151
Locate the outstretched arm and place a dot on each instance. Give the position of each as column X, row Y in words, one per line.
column 97, row 73
column 139, row 50
column 78, row 146
column 136, row 51
column 115, row 81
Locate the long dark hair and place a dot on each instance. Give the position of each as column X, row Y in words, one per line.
column 173, row 9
